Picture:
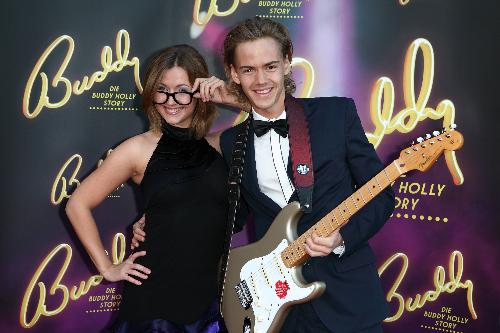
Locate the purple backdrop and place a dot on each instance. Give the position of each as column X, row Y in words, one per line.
column 436, row 254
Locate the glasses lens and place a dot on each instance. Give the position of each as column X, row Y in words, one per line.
column 159, row 97
column 183, row 98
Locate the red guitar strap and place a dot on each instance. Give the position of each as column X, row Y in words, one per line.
column 300, row 150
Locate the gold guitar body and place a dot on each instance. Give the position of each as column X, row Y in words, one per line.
column 272, row 287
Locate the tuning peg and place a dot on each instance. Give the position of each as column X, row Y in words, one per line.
column 453, row 126
column 427, row 136
column 420, row 139
column 435, row 133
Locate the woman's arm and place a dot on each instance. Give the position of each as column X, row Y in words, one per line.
column 215, row 90
column 116, row 169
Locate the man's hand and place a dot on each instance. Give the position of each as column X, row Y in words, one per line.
column 138, row 231
column 317, row 246
column 127, row 269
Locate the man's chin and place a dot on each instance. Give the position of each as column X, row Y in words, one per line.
column 260, row 107
column 262, row 103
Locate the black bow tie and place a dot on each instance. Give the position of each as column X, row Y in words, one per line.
column 280, row 126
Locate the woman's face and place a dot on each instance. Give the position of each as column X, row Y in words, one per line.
column 174, row 80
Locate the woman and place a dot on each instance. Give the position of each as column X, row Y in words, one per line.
column 183, row 181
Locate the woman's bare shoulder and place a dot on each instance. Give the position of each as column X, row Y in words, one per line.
column 140, row 142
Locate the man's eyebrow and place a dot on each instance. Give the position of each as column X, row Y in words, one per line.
column 274, row 62
column 271, row 63
column 246, row 67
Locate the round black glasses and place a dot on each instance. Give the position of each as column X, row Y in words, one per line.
column 180, row 97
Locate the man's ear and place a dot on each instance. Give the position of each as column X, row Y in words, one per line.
column 234, row 75
column 288, row 65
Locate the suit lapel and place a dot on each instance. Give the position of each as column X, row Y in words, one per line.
column 289, row 167
column 249, row 179
column 289, row 171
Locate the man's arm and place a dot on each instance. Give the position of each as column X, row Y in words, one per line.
column 364, row 164
column 138, row 232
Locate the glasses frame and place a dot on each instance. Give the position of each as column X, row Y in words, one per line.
column 168, row 94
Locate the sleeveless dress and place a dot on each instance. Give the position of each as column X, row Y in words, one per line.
column 185, row 195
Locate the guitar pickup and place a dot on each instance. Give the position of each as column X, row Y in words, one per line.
column 244, row 294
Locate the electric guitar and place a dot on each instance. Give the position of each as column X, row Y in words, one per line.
column 264, row 279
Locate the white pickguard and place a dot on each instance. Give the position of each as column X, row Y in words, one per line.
column 267, row 278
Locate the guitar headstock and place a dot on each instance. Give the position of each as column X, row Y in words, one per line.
column 421, row 156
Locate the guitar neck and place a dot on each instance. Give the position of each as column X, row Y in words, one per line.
column 295, row 254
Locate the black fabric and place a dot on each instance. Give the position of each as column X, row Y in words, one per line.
column 185, row 194
column 210, row 322
column 261, row 127
column 302, row 318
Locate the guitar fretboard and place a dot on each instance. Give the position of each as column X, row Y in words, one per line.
column 295, row 253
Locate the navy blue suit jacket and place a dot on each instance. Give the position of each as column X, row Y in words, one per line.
column 342, row 159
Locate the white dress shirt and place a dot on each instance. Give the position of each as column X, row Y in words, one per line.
column 271, row 160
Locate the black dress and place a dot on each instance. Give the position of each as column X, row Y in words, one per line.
column 185, row 195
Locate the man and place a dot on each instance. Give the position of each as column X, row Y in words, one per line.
column 257, row 57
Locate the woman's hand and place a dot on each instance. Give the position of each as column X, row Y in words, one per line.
column 127, row 269
column 214, row 90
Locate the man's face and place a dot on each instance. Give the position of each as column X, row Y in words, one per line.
column 260, row 69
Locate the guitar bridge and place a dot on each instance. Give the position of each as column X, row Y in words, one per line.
column 244, row 294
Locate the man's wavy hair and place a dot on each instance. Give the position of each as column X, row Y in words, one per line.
column 189, row 59
column 250, row 30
